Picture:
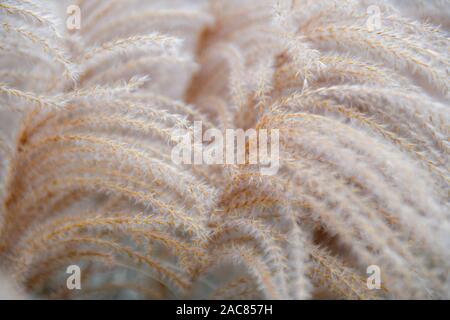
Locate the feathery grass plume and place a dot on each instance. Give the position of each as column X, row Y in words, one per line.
column 86, row 135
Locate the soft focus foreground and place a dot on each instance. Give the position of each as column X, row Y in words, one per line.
column 357, row 89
